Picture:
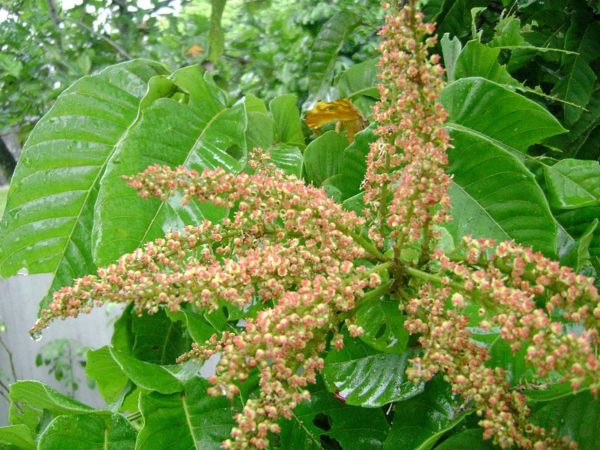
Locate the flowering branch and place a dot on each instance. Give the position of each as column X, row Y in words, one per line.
column 297, row 253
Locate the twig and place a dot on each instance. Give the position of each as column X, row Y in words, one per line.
column 10, row 359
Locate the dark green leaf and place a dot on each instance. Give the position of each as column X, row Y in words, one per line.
column 494, row 195
column 576, row 416
column 288, row 158
column 288, row 126
column 359, row 79
column 451, row 49
column 325, row 50
column 354, row 164
column 326, row 420
column 577, row 223
column 479, row 60
column 29, row 400
column 484, row 107
column 469, row 439
column 422, row 420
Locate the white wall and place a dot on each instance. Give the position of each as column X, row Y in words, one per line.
column 19, row 298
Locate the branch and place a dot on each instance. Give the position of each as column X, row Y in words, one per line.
column 102, row 37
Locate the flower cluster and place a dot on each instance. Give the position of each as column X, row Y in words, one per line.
column 506, row 283
column 406, row 163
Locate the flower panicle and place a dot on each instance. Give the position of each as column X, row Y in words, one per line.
column 507, row 282
column 407, row 161
column 284, row 345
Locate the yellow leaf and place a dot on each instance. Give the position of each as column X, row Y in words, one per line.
column 194, row 50
column 341, row 111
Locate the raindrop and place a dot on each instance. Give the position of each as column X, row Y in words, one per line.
column 23, row 272
column 36, row 335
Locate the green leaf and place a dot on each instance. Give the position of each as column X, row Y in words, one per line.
column 288, row 126
column 325, row 419
column 3, row 195
column 573, row 183
column 355, row 203
column 578, row 221
column 576, row 416
column 103, row 369
column 288, row 158
column 188, row 420
column 147, row 375
column 578, row 78
column 324, row 156
column 584, row 259
column 383, row 325
column 255, row 104
column 507, row 33
column 487, row 108
column 146, row 347
column 366, row 378
column 575, row 87
column 197, row 324
column 89, row 431
column 50, row 203
column 451, row 49
column 354, row 164
column 479, row 60
column 579, row 140
column 17, row 435
column 260, row 131
column 325, row 49
column 455, row 17
column 471, row 439
column 494, row 195
column 30, row 399
column 359, row 79
column 199, row 134
column 358, row 84
column 422, row 420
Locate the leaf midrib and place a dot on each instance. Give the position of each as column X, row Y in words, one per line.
column 185, row 162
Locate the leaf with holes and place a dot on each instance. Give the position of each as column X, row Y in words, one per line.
column 326, row 422
column 383, row 326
